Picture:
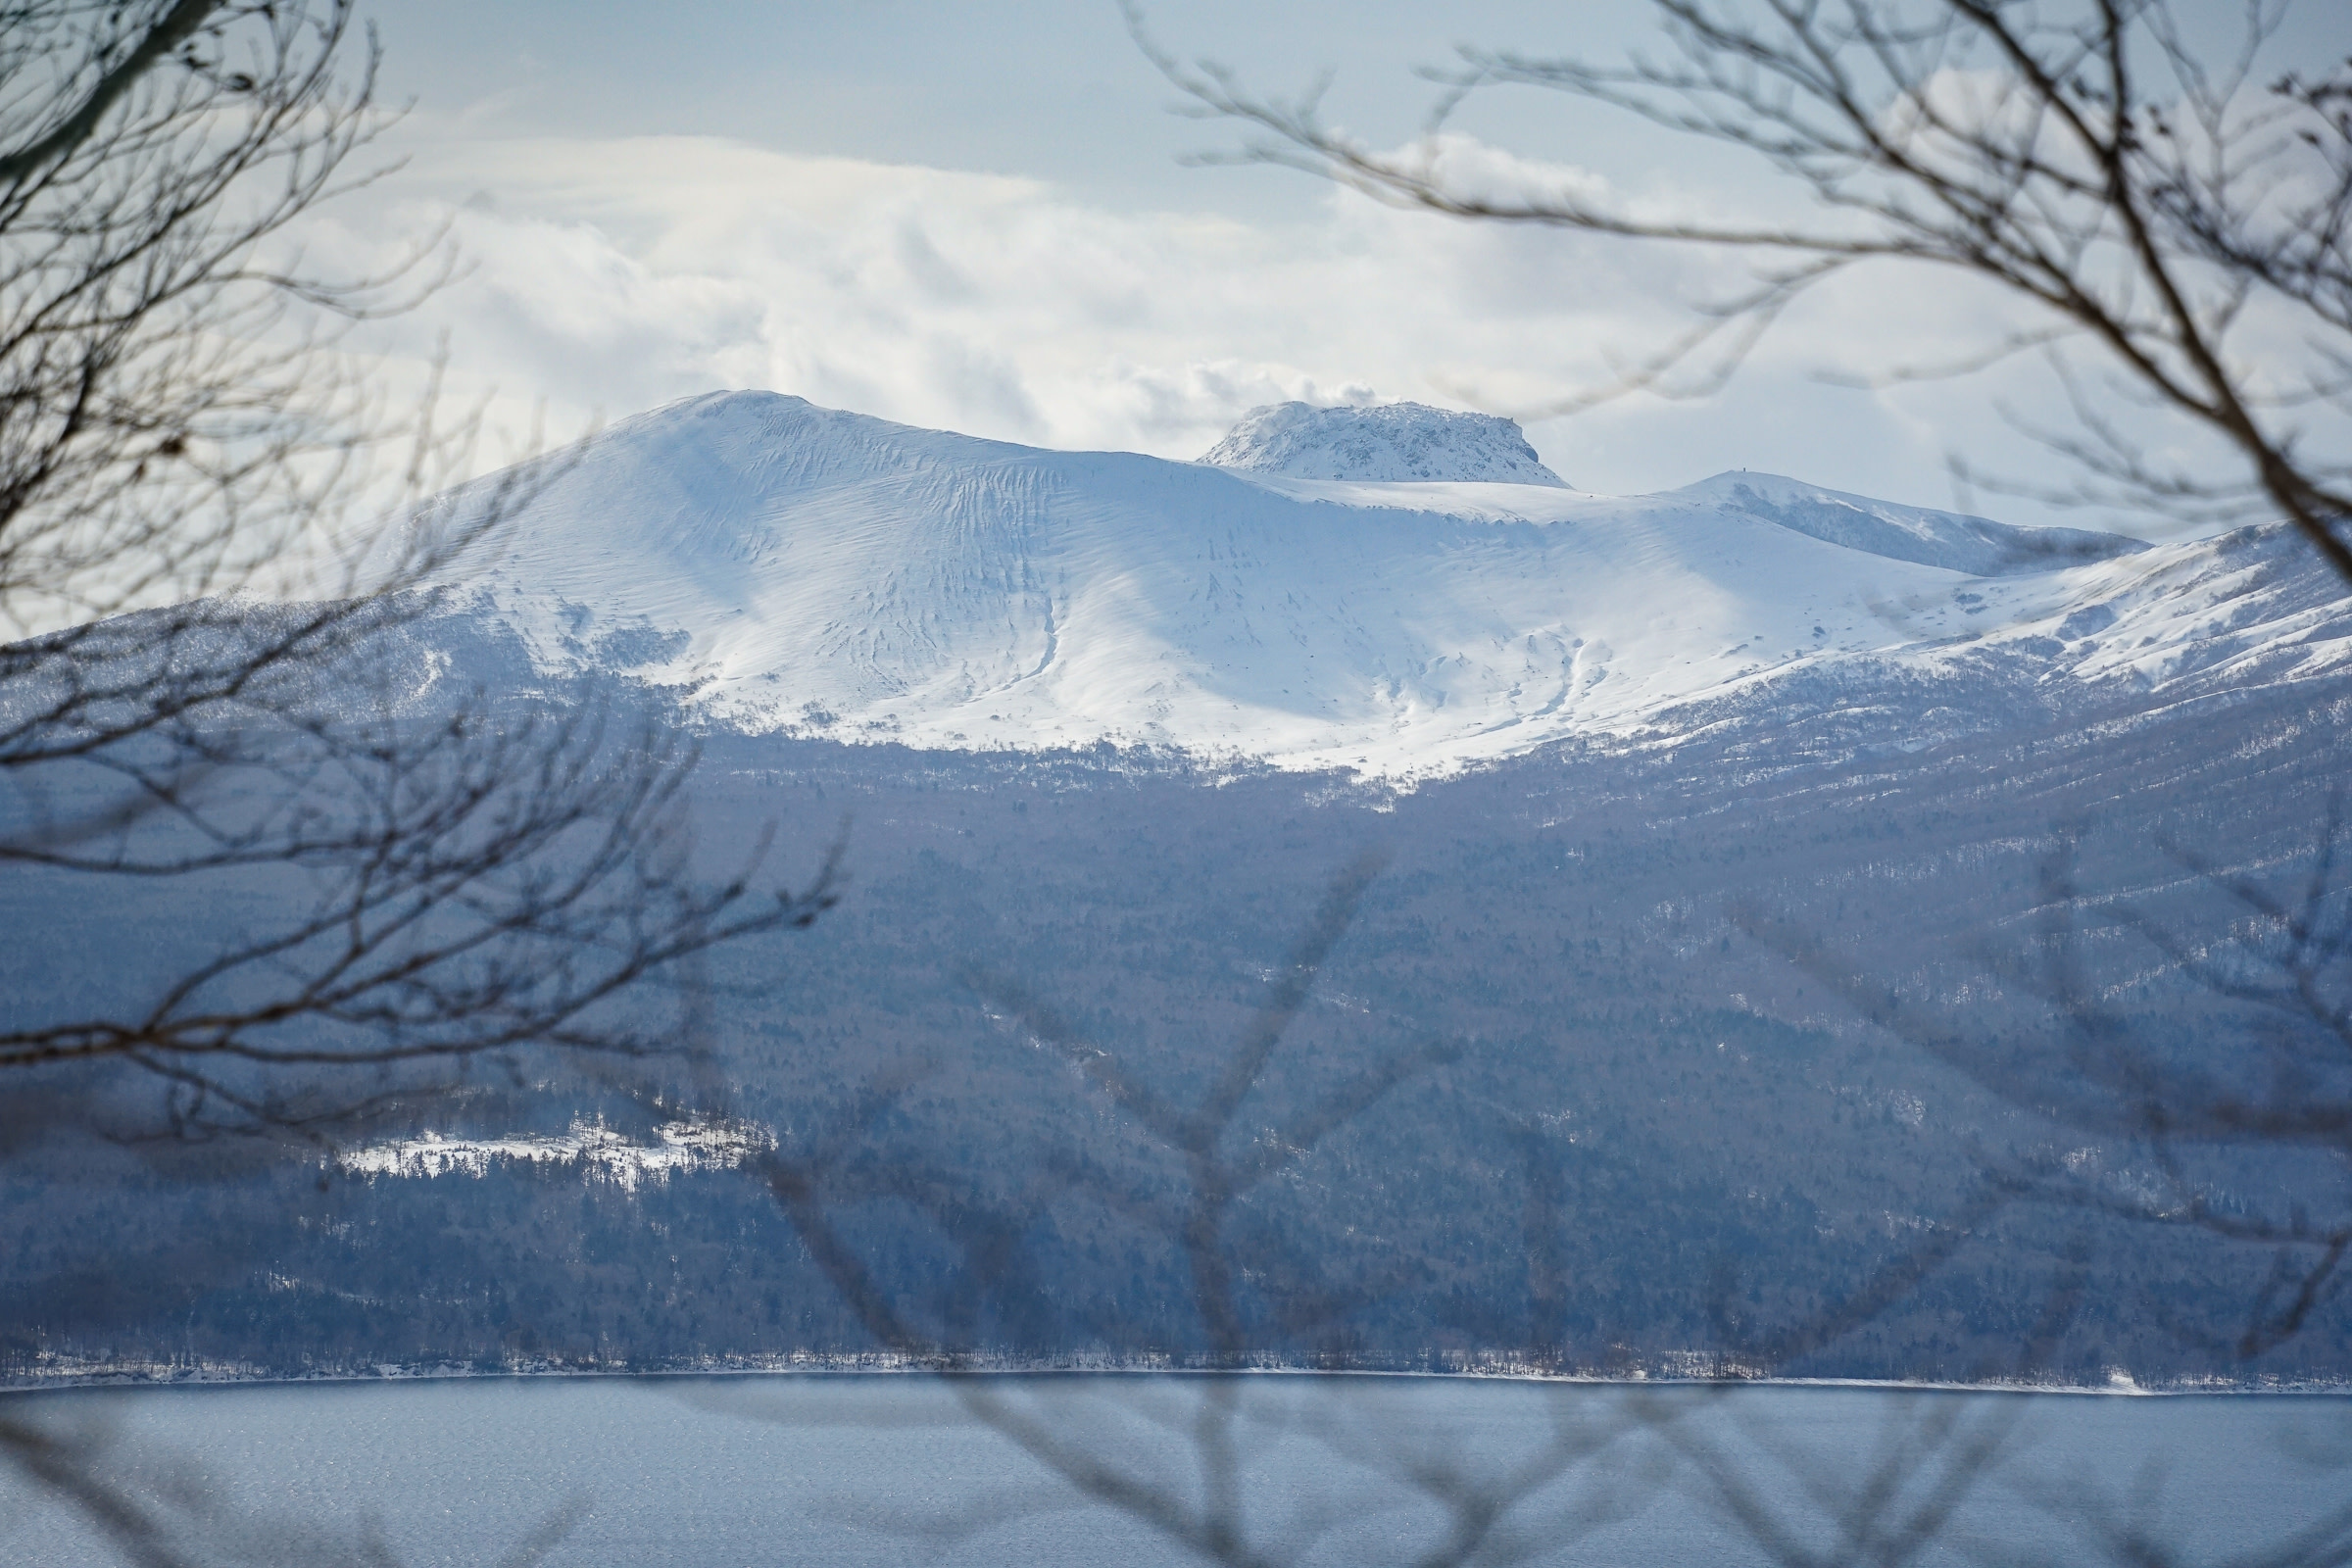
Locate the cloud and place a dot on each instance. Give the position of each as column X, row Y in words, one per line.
column 609, row 275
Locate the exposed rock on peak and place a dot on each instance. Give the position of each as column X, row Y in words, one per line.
column 1393, row 441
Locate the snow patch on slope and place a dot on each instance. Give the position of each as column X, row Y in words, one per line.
column 595, row 1148
column 1388, row 441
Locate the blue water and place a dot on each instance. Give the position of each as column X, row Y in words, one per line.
column 851, row 1470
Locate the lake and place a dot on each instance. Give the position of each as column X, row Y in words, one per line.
column 846, row 1469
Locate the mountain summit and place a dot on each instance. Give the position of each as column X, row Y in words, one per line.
column 1393, row 441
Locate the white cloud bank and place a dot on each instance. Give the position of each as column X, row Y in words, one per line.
column 606, row 276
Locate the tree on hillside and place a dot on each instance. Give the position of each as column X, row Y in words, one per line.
column 307, row 873
column 217, row 667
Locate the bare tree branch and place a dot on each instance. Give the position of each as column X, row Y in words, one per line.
column 2177, row 218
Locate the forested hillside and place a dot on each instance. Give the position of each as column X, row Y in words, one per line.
column 1631, row 1129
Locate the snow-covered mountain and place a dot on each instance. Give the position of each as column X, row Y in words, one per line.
column 1391, row 441
column 805, row 569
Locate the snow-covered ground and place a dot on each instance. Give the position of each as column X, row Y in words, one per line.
column 824, row 573
column 592, row 1148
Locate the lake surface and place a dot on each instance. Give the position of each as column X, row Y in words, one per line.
column 854, row 1470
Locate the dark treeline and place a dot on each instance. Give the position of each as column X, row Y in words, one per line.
column 1651, row 1134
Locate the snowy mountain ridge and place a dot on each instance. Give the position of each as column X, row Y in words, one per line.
column 802, row 569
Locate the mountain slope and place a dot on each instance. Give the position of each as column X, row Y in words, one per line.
column 827, row 573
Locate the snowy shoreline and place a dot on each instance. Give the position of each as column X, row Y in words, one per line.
column 65, row 1375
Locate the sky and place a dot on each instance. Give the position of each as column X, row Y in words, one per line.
column 990, row 219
